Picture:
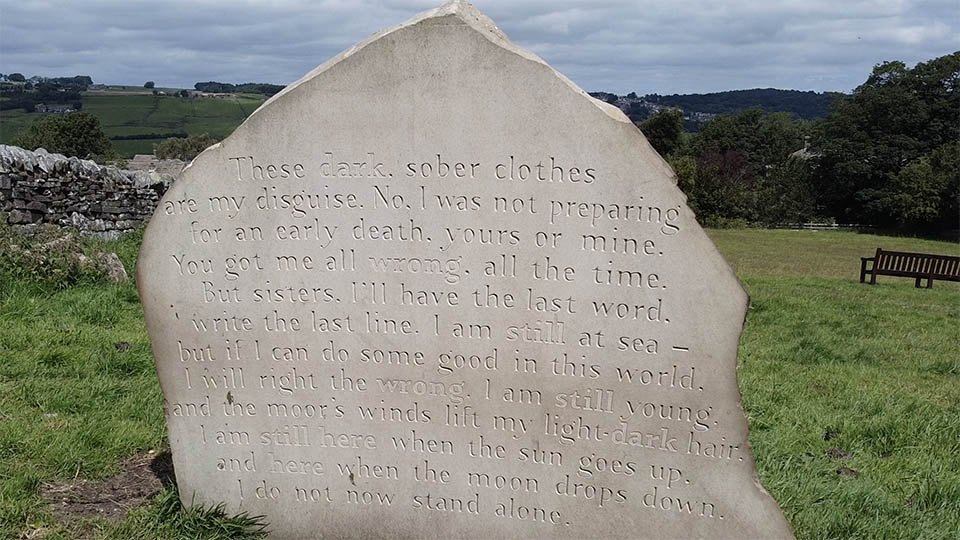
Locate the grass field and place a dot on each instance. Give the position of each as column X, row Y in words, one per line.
column 12, row 122
column 143, row 113
column 835, row 376
column 878, row 368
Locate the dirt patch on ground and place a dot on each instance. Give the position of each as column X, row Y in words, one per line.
column 140, row 478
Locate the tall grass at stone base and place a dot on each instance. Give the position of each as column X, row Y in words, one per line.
column 835, row 375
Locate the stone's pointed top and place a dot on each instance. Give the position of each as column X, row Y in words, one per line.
column 457, row 6
column 473, row 18
column 460, row 8
column 464, row 11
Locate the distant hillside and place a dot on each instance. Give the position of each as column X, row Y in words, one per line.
column 135, row 119
column 807, row 105
column 701, row 108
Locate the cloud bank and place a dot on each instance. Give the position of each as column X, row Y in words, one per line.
column 615, row 45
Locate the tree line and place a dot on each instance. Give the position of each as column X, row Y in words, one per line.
column 36, row 90
column 806, row 105
column 886, row 156
column 246, row 88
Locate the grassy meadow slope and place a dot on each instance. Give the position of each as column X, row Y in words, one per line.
column 852, row 392
column 133, row 112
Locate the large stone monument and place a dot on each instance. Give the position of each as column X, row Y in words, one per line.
column 435, row 290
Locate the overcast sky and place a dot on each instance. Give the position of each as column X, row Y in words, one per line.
column 663, row 46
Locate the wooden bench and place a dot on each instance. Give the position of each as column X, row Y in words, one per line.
column 916, row 265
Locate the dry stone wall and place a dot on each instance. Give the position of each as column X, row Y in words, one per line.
column 40, row 187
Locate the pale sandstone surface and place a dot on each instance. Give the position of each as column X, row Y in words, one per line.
column 369, row 190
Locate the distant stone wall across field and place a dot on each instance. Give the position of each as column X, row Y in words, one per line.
column 40, row 187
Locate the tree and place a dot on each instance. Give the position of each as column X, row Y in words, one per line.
column 746, row 170
column 182, row 148
column 258, row 88
column 637, row 112
column 767, row 139
column 149, row 84
column 214, row 87
column 723, row 188
column 685, row 167
column 81, row 82
column 893, row 121
column 786, row 193
column 664, row 130
column 74, row 134
column 923, row 195
column 16, row 77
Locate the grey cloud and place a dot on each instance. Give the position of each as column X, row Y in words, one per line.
column 617, row 45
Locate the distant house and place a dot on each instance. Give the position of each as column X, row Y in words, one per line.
column 53, row 108
column 699, row 116
column 805, row 153
column 202, row 94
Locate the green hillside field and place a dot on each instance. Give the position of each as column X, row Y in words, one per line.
column 129, row 111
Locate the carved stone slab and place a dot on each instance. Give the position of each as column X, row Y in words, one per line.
column 435, row 290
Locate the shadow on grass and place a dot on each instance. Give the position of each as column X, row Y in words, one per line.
column 162, row 467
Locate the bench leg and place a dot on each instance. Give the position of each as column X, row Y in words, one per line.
column 929, row 282
column 873, row 278
column 917, row 286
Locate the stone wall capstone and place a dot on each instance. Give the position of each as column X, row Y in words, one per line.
column 39, row 187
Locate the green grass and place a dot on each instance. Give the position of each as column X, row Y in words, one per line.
column 826, row 254
column 877, row 367
column 166, row 519
column 144, row 113
column 74, row 406
column 13, row 122
column 70, row 402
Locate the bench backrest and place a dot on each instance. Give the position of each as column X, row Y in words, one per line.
column 902, row 263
